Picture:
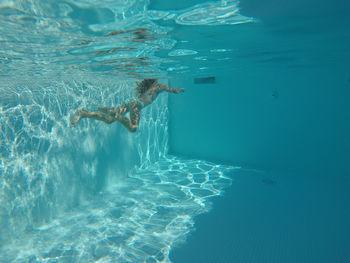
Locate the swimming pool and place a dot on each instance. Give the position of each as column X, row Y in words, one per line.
column 258, row 122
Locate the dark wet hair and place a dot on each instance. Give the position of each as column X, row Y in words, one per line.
column 143, row 86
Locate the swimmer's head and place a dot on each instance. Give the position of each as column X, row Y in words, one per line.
column 143, row 86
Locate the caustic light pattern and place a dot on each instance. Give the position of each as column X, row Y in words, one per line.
column 137, row 220
column 94, row 192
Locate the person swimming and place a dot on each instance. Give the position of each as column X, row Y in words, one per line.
column 146, row 92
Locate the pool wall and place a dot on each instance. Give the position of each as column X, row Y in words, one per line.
column 48, row 167
column 282, row 119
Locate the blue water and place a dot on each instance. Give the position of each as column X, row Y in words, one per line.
column 250, row 164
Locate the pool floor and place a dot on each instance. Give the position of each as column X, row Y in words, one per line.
column 274, row 217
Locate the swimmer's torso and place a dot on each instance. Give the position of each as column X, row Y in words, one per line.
column 150, row 95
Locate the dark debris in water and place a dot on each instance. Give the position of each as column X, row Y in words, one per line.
column 275, row 94
column 205, row 80
column 268, row 181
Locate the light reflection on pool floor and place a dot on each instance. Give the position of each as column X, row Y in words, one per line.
column 137, row 220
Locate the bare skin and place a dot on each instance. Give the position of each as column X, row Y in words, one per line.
column 111, row 114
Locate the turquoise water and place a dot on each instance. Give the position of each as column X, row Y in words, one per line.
column 250, row 164
column 280, row 110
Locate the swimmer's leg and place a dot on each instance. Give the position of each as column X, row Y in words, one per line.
column 135, row 112
column 81, row 114
column 122, row 109
column 107, row 110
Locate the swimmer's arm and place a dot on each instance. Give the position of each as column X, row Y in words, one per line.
column 168, row 89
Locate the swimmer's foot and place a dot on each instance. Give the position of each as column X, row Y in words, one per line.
column 121, row 110
column 76, row 117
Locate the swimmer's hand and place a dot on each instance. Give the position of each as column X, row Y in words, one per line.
column 179, row 90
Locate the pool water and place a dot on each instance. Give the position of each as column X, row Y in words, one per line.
column 249, row 164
